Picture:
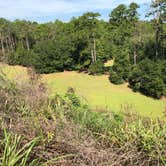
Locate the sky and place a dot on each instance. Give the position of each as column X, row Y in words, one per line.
column 50, row 10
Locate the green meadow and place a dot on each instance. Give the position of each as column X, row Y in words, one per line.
column 101, row 94
column 97, row 91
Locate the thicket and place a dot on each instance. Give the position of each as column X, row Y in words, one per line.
column 39, row 130
column 147, row 77
column 86, row 42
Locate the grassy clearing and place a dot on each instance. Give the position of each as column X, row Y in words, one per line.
column 97, row 91
column 101, row 94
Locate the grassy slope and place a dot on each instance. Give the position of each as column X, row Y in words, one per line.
column 97, row 90
column 100, row 93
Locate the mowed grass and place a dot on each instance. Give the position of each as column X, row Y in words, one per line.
column 97, row 91
column 101, row 94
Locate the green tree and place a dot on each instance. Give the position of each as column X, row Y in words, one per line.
column 147, row 78
column 158, row 11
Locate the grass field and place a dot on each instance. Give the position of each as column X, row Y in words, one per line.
column 97, row 91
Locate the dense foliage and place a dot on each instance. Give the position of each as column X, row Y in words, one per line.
column 147, row 77
column 86, row 42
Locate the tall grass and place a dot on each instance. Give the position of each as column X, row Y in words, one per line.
column 122, row 130
column 25, row 110
column 16, row 154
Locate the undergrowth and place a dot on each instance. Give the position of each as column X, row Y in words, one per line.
column 39, row 130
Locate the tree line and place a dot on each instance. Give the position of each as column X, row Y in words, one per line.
column 85, row 43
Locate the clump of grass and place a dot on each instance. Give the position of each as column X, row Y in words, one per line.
column 14, row 154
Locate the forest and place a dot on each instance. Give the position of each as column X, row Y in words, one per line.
column 138, row 47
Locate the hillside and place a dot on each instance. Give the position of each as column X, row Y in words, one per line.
column 85, row 91
column 97, row 91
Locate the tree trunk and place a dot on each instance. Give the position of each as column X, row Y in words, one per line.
column 92, row 55
column 11, row 43
column 27, row 43
column 2, row 47
column 157, row 32
column 157, row 42
column 7, row 45
column 14, row 41
column 135, row 57
column 94, row 50
column 22, row 43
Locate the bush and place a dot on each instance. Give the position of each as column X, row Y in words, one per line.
column 135, row 79
column 152, row 86
column 122, row 64
column 52, row 56
column 22, row 57
column 96, row 68
column 115, row 78
column 147, row 77
column 73, row 98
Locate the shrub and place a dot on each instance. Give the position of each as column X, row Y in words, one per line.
column 122, row 64
column 52, row 56
column 147, row 77
column 152, row 86
column 73, row 98
column 115, row 78
column 22, row 57
column 135, row 79
column 96, row 68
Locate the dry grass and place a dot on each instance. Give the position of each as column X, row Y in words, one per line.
column 109, row 63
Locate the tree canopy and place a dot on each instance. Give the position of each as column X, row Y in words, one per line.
column 86, row 42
